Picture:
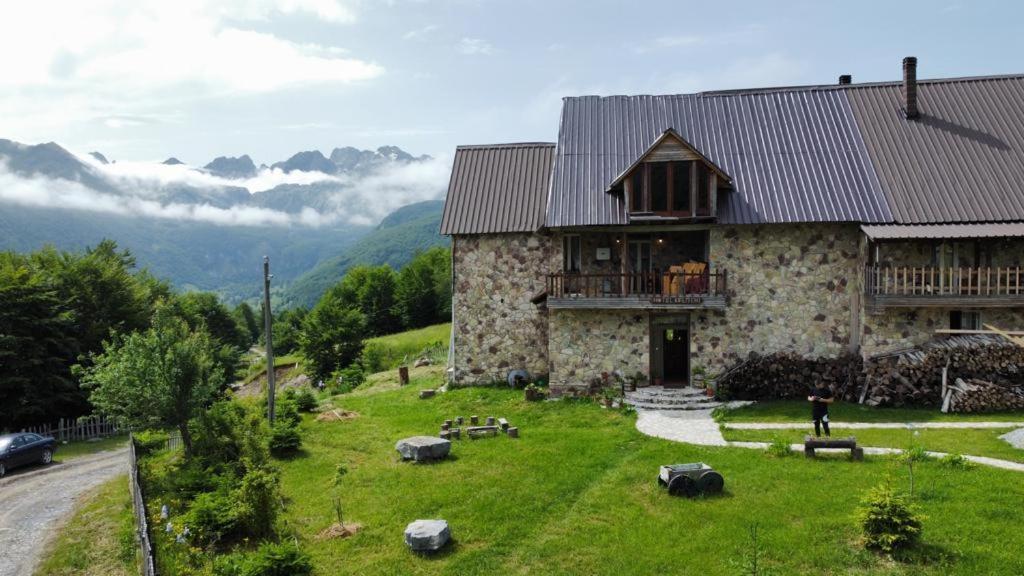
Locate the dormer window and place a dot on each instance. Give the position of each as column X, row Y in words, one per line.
column 682, row 189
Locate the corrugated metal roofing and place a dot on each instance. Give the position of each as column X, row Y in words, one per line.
column 795, row 155
column 948, row 231
column 962, row 160
column 498, row 188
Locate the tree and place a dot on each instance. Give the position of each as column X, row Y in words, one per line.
column 371, row 289
column 163, row 376
column 331, row 336
column 37, row 348
column 205, row 309
column 287, row 326
column 423, row 296
column 246, row 318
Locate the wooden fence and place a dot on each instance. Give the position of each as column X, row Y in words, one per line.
column 81, row 429
column 935, row 281
column 174, row 440
column 139, row 506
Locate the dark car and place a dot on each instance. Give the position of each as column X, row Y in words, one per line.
column 25, row 448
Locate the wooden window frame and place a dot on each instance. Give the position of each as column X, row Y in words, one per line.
column 710, row 210
column 567, row 253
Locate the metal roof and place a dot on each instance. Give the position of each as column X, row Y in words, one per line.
column 962, row 160
column 795, row 155
column 943, row 231
column 498, row 188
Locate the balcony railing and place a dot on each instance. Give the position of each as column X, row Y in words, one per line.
column 960, row 285
column 654, row 287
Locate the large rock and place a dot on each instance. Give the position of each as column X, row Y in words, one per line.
column 427, row 535
column 423, row 448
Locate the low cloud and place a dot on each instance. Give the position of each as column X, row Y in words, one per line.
column 142, row 188
column 475, row 46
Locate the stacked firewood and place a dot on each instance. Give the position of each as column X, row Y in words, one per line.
column 975, row 395
column 918, row 376
column 788, row 376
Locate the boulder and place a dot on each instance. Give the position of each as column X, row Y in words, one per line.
column 427, row 535
column 423, row 448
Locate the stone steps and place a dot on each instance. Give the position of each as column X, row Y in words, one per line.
column 659, row 398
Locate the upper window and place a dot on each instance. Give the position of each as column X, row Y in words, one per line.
column 571, row 253
column 677, row 188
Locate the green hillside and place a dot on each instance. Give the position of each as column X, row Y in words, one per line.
column 399, row 237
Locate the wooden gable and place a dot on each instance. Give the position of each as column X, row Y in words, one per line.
column 670, row 146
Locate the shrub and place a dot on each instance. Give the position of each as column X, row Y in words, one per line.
column 278, row 560
column 213, row 516
column 231, row 436
column 375, row 357
column 286, row 411
column 339, row 473
column 347, row 379
column 284, row 438
column 956, row 461
column 779, row 447
column 889, row 523
column 305, row 401
column 149, row 441
column 258, row 502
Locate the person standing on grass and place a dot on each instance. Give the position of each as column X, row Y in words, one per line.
column 820, row 398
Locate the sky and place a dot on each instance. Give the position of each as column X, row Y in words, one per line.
column 143, row 80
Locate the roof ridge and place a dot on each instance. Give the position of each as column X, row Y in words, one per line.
column 803, row 87
column 506, row 145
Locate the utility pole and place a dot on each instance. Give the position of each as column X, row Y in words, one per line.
column 268, row 320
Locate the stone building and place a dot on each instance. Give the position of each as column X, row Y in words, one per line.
column 663, row 235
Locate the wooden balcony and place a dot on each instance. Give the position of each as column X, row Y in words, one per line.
column 932, row 286
column 641, row 290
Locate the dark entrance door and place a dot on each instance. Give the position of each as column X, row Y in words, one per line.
column 676, row 357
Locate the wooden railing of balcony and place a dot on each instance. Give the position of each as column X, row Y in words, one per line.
column 936, row 281
column 667, row 285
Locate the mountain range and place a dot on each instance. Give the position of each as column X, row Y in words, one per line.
column 207, row 228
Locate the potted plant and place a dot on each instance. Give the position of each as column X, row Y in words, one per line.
column 697, row 374
column 534, row 393
column 711, row 385
column 608, row 397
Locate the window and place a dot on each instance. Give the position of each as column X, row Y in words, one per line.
column 964, row 320
column 571, row 253
column 703, row 192
column 659, row 187
column 636, row 191
column 681, row 187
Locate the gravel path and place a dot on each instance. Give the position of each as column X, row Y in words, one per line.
column 835, row 424
column 698, row 427
column 34, row 501
column 1015, row 438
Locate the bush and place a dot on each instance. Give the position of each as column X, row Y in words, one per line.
column 889, row 523
column 231, row 437
column 284, row 438
column 258, row 502
column 375, row 357
column 779, row 447
column 213, row 516
column 956, row 461
column 286, row 410
column 150, row 441
column 278, row 560
column 347, row 379
column 305, row 401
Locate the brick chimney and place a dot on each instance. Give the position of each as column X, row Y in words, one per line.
column 910, row 87
column 845, row 79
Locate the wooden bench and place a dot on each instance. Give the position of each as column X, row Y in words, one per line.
column 478, row 431
column 812, row 443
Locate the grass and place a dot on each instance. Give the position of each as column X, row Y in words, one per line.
column 396, row 349
column 98, row 539
column 258, row 365
column 80, row 448
column 576, row 494
column 976, row 442
column 799, row 411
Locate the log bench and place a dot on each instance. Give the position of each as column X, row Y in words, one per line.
column 811, row 443
column 478, row 431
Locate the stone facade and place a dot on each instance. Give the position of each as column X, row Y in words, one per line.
column 496, row 328
column 583, row 344
column 791, row 288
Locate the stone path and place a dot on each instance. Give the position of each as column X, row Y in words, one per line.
column 1015, row 438
column 854, row 425
column 698, row 427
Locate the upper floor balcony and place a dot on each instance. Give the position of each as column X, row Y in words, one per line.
column 680, row 288
column 940, row 286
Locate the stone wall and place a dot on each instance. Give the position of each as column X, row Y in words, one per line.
column 892, row 329
column 791, row 288
column 496, row 327
column 585, row 343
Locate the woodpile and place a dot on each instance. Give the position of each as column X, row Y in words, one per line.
column 787, row 375
column 920, row 376
column 980, row 396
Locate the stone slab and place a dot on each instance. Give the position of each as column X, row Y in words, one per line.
column 427, row 535
column 423, row 448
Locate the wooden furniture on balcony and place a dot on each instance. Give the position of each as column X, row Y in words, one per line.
column 933, row 286
column 675, row 289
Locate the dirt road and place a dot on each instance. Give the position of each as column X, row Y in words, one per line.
column 34, row 501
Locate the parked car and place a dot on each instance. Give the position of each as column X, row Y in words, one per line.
column 25, row 448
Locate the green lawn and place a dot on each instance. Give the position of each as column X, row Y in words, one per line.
column 577, row 495
column 407, row 346
column 977, row 442
column 799, row 411
column 83, row 448
column 98, row 539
